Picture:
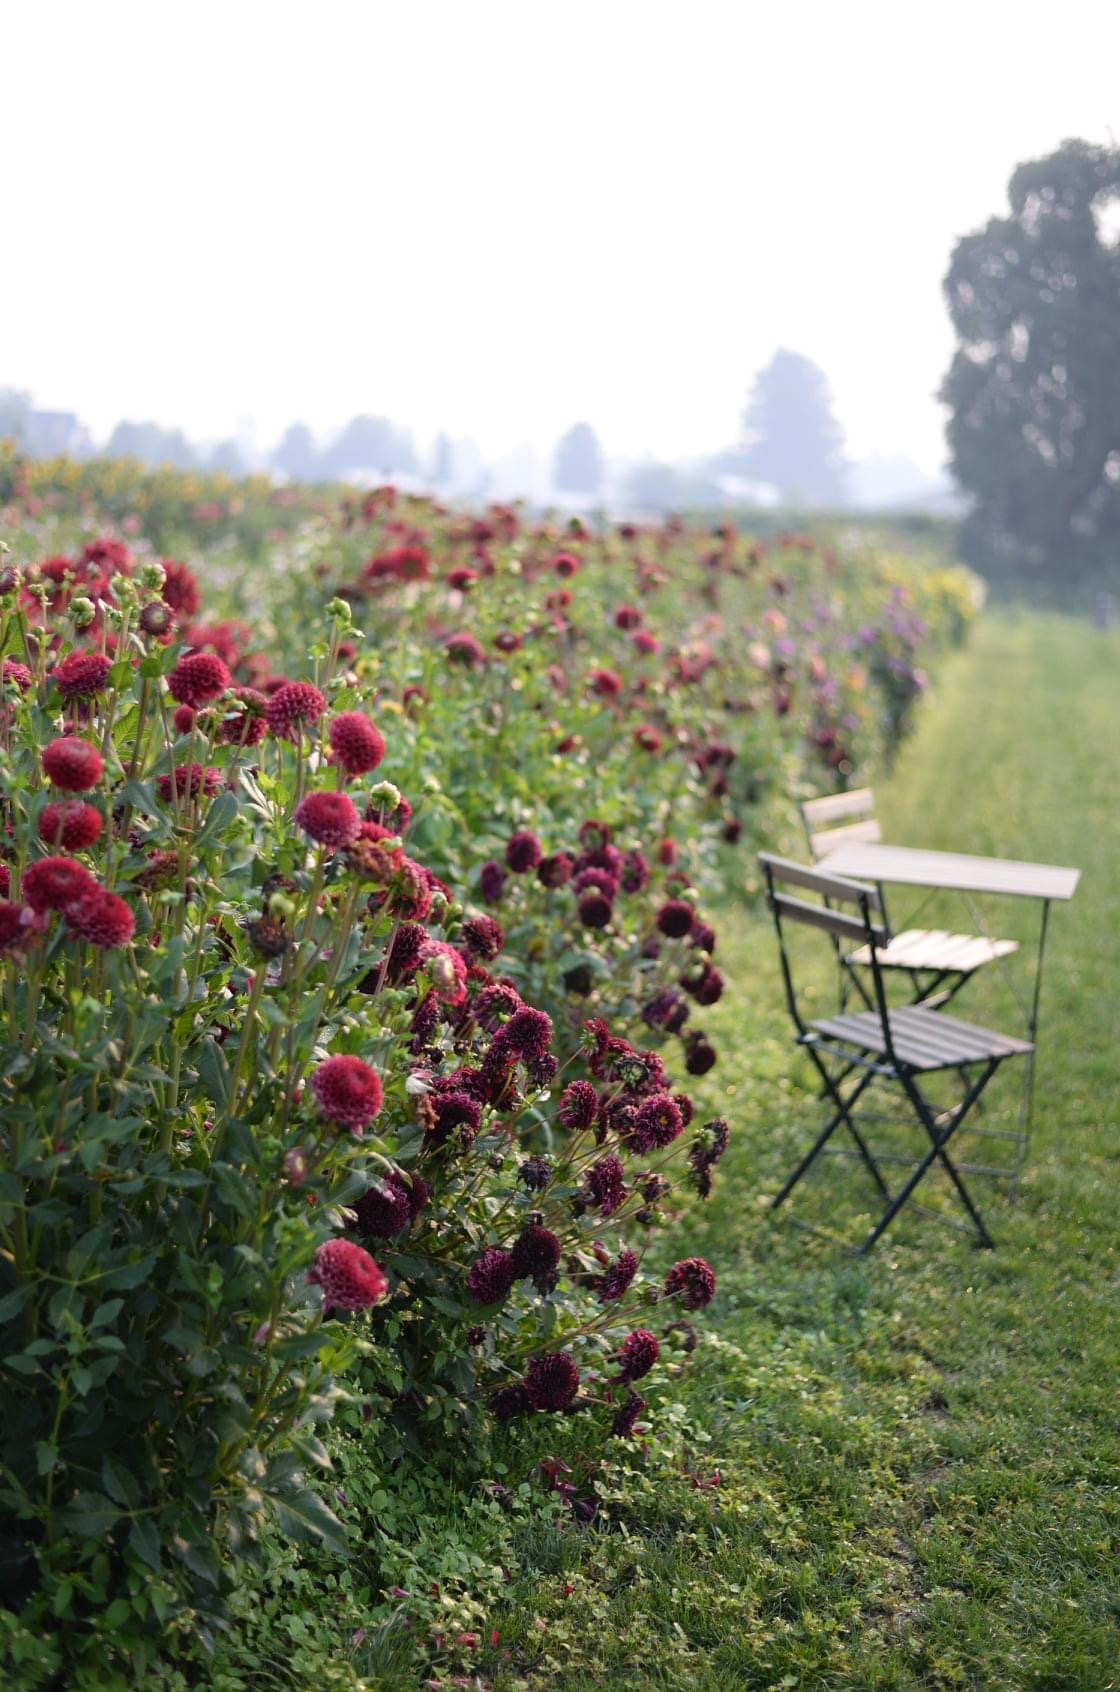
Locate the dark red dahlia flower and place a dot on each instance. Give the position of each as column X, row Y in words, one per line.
column 101, row 918
column 657, row 1123
column 357, row 745
column 180, row 589
column 244, row 722
column 536, row 1253
column 508, row 1402
column 706, row 988
column 647, row 737
column 523, row 852
column 692, row 1278
column 615, row 1282
column 11, row 670
column 554, row 871
column 404, row 953
column 71, row 824
column 17, row 927
column 627, row 617
column 329, row 818
column 552, row 1381
column 700, row 1054
column 294, row 707
column 383, row 1210
column 347, row 1091
column 703, row 937
column 198, row 679
column 464, row 649
column 483, row 937
column 578, row 1105
column 349, row 1277
column 190, row 780
column 535, row 1174
column 183, row 719
column 597, row 881
column 457, row 1116
column 50, row 884
column 595, row 910
column 448, row 973
column 667, row 852
column 565, row 564
column 462, row 579
column 675, row 918
column 638, row 1355
column 491, row 1276
column 627, row 1416
column 606, row 1189
column 635, row 873
column 527, row 1034
column 645, row 643
column 81, row 674
column 491, row 881
column 606, row 683
column 73, row 765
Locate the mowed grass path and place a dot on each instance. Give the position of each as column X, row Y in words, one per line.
column 918, row 1452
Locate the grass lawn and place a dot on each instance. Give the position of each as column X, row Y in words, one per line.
column 918, row 1453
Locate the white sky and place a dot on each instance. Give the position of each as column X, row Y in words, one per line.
column 498, row 218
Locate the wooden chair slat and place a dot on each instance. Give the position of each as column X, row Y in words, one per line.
column 867, row 833
column 836, row 923
column 816, row 881
column 860, row 802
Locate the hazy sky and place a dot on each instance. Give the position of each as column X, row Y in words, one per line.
column 497, row 218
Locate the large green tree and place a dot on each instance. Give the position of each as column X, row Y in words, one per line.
column 1034, row 388
column 792, row 440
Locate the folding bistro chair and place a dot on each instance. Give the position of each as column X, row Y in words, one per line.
column 938, row 963
column 894, row 1046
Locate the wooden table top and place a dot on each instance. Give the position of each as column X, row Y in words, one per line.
column 914, row 867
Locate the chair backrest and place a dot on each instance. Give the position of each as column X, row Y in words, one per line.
column 839, row 818
column 847, row 927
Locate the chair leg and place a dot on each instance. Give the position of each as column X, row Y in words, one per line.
column 937, row 1152
column 842, row 1114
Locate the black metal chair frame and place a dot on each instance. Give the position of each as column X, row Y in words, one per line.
column 887, row 1066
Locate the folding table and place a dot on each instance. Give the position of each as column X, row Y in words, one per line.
column 955, row 872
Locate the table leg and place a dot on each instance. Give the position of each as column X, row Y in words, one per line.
column 1026, row 1108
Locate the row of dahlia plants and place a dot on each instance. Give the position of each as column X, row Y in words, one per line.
column 283, row 1121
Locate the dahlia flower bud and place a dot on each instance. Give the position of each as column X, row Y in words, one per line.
column 627, row 1416
column 122, row 589
column 339, row 612
column 156, row 618
column 11, row 578
column 152, row 575
column 295, row 1166
column 82, row 612
column 383, row 796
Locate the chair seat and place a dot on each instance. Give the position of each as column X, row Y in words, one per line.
column 933, row 948
column 923, row 1039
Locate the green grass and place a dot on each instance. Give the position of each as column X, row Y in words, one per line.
column 918, row 1452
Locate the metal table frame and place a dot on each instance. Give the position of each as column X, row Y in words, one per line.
column 954, row 872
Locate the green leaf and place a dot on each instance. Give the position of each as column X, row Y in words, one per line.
column 119, row 1482
column 129, row 1274
column 218, row 818
column 304, row 1517
column 90, row 1515
column 213, row 1071
column 141, row 796
column 143, row 1537
column 12, row 1303
column 106, row 1312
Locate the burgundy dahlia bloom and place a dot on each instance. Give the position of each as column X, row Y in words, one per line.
column 17, row 925
column 523, row 852
column 198, row 679
column 554, row 871
column 73, row 765
column 244, row 722
column 11, row 670
column 447, row 970
column 357, row 745
column 483, row 937
column 628, row 1415
column 656, row 1124
column 491, row 1276
column 71, row 824
column 700, row 1054
column 536, row 1254
column 615, row 1282
column 606, row 683
column 703, row 937
column 329, row 818
column 101, row 918
column 675, row 918
column 457, row 1116
column 464, row 649
column 183, row 719
column 404, row 953
column 508, row 1402
column 597, row 881
column 347, row 1092
column 706, row 988
column 638, row 1355
column 383, row 1210
column 50, row 884
column 349, row 1277
column 81, row 674
column 606, row 1188
column 293, row 707
column 180, row 589
column 552, row 1381
column 647, row 737
column 578, row 1105
column 535, row 1174
column 190, row 780
column 527, row 1034
column 595, row 910
column 491, row 881
column 627, row 617
column 693, row 1279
